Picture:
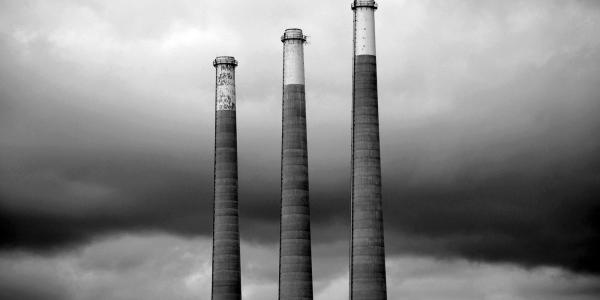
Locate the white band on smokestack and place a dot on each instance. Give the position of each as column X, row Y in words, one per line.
column 293, row 56
column 225, row 82
column 364, row 27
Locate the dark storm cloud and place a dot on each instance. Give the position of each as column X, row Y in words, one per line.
column 89, row 195
column 98, row 138
column 488, row 123
column 78, row 160
column 517, row 180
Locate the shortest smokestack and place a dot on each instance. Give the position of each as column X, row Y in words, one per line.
column 226, row 275
column 295, row 265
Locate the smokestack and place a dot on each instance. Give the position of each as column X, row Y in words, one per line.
column 226, row 281
column 295, row 267
column 367, row 255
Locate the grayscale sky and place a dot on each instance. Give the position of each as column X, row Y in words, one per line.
column 490, row 129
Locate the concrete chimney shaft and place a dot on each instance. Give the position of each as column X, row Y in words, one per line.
column 226, row 275
column 367, row 255
column 295, row 266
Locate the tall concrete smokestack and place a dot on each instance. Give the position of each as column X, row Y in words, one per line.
column 226, row 281
column 367, row 255
column 295, row 269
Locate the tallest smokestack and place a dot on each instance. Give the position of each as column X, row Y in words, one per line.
column 367, row 255
column 295, row 269
column 226, row 279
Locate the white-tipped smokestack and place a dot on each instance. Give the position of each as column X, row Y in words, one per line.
column 367, row 250
column 295, row 264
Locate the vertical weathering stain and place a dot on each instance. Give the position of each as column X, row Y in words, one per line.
column 295, row 266
column 367, row 255
column 226, row 279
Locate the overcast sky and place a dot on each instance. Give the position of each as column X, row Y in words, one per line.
column 489, row 115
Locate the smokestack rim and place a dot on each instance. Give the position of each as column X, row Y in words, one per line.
column 293, row 34
column 364, row 3
column 225, row 60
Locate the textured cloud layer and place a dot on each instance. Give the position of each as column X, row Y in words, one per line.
column 164, row 267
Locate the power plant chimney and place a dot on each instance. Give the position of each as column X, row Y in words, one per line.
column 367, row 255
column 295, row 266
column 226, row 279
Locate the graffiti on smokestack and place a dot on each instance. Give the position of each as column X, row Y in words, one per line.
column 226, row 88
